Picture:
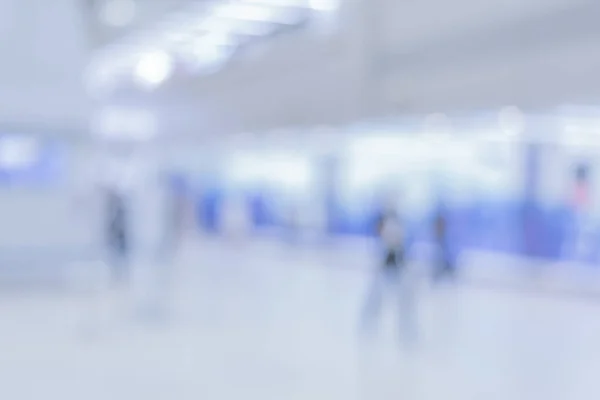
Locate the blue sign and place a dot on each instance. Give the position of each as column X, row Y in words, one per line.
column 26, row 160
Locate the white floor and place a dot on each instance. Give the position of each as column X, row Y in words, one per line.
column 250, row 323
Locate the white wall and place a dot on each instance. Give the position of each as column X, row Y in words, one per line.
column 43, row 50
column 65, row 218
column 46, row 219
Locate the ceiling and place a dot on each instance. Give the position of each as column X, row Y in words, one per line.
column 387, row 58
column 225, row 66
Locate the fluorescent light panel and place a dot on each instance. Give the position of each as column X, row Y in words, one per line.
column 208, row 33
column 237, row 27
column 280, row 3
column 255, row 12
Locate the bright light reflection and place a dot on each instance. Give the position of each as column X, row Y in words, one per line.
column 153, row 68
column 253, row 12
column 324, row 5
column 292, row 173
column 279, row 3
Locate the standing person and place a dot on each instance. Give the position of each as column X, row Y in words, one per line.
column 118, row 231
column 175, row 216
column 444, row 266
column 117, row 180
column 581, row 204
column 157, row 237
column 135, row 226
column 388, row 275
column 107, row 280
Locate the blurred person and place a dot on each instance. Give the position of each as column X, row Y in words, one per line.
column 118, row 235
column 159, row 214
column 136, row 238
column 390, row 272
column 116, row 216
column 444, row 263
column 137, row 230
column 176, row 213
column 106, row 211
column 581, row 244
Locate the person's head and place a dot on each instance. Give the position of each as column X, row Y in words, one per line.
column 581, row 173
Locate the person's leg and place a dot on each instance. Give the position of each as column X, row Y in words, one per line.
column 119, row 260
column 405, row 289
column 112, row 260
column 439, row 268
column 163, row 270
column 443, row 265
column 372, row 305
column 450, row 266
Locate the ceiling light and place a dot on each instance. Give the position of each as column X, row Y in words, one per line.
column 253, row 12
column 243, row 11
column 153, row 68
column 324, row 5
column 238, row 27
column 280, row 3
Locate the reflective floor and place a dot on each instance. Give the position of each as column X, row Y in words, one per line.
column 276, row 323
